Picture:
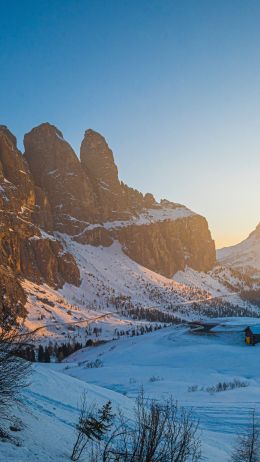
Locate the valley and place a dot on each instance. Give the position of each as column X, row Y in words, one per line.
column 173, row 361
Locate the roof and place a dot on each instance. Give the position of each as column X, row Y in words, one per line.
column 255, row 329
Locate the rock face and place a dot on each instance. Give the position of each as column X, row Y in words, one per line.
column 169, row 246
column 48, row 190
column 12, row 296
column 115, row 200
column 57, row 171
column 24, row 208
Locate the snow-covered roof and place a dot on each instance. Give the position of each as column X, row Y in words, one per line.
column 255, row 329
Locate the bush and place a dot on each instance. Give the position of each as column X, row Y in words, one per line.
column 221, row 386
column 14, row 372
column 94, row 364
column 160, row 432
column 247, row 448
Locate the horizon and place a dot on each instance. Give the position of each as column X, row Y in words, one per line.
column 174, row 90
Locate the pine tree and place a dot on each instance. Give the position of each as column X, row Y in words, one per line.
column 40, row 354
column 46, row 355
column 33, row 359
column 92, row 426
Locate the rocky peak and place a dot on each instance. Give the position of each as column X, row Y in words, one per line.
column 57, row 171
column 17, row 189
column 13, row 166
column 46, row 150
column 4, row 131
column 98, row 160
column 256, row 232
column 115, row 200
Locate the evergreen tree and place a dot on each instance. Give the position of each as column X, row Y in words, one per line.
column 46, row 355
column 33, row 359
column 40, row 354
column 92, row 426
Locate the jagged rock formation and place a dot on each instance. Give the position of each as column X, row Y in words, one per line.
column 57, row 171
column 48, row 190
column 24, row 252
column 115, row 200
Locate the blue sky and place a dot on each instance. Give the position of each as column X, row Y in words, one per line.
column 174, row 86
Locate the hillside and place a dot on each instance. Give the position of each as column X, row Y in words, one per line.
column 244, row 256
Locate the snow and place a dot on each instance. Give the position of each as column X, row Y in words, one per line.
column 50, row 413
column 203, row 280
column 55, row 319
column 107, row 273
column 165, row 363
column 245, row 255
column 147, row 217
column 60, row 137
column 213, row 283
column 53, row 172
column 180, row 359
column 172, row 361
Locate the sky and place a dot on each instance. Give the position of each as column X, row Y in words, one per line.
column 174, row 86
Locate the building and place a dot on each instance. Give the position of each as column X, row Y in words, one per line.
column 252, row 335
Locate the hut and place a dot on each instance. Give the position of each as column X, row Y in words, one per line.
column 252, row 335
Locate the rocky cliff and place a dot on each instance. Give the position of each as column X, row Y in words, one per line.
column 58, row 173
column 25, row 251
column 49, row 190
column 115, row 200
column 169, row 246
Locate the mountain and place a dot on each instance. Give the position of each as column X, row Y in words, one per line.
column 49, row 190
column 89, row 202
column 245, row 256
column 25, row 250
column 77, row 243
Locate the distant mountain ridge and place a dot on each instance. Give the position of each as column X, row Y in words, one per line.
column 244, row 256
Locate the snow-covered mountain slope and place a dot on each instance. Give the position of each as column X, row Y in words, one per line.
column 111, row 280
column 168, row 362
column 117, row 294
column 244, row 256
column 107, row 273
column 221, row 281
column 54, row 319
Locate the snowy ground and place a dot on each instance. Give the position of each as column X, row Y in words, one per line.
column 164, row 362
